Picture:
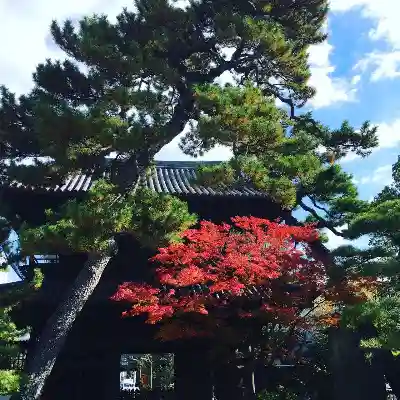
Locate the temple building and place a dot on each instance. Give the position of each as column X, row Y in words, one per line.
column 89, row 364
column 99, row 336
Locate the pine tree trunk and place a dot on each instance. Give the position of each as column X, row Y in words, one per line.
column 54, row 333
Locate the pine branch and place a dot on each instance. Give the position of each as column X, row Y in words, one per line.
column 316, row 205
column 317, row 246
column 322, row 221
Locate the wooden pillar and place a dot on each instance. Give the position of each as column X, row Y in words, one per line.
column 100, row 379
column 354, row 376
column 228, row 382
column 193, row 375
column 111, row 375
column 85, row 378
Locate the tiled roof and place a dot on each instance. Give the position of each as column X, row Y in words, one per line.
column 74, row 183
column 172, row 177
column 178, row 178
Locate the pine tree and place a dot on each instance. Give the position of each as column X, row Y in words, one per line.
column 378, row 318
column 380, row 221
column 131, row 87
column 286, row 155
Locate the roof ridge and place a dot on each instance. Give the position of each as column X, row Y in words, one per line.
column 173, row 177
column 184, row 163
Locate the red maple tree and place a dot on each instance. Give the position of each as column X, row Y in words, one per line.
column 254, row 269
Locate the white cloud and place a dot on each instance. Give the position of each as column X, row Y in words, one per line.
column 24, row 29
column 171, row 152
column 383, row 65
column 347, row 158
column 384, row 15
column 329, row 89
column 355, row 79
column 351, row 156
column 389, row 134
column 382, row 175
column 335, row 241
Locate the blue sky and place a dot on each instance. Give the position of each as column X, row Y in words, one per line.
column 356, row 71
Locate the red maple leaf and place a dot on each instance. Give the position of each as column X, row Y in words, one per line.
column 254, row 268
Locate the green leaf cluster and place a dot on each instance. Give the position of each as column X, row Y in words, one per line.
column 384, row 314
column 281, row 394
column 87, row 225
column 9, row 349
column 278, row 152
column 158, row 220
column 379, row 219
column 10, row 381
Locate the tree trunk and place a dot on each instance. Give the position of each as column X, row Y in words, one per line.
column 53, row 336
column 354, row 378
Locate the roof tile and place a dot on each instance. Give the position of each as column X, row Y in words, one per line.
column 171, row 177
